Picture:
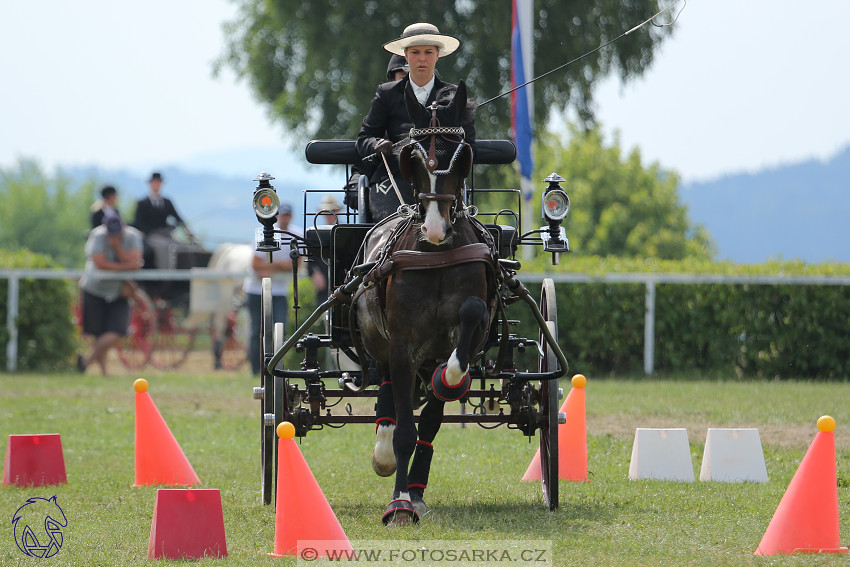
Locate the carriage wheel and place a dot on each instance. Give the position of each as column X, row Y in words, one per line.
column 549, row 400
column 171, row 342
column 134, row 350
column 267, row 437
column 234, row 352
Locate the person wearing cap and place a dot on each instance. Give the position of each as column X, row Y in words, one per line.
column 397, row 69
column 388, row 121
column 317, row 268
column 280, row 272
column 111, row 246
column 104, row 206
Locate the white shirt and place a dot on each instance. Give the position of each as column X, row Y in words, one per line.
column 422, row 93
column 280, row 280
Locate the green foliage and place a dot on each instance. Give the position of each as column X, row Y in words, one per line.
column 46, row 333
column 754, row 330
column 43, row 214
column 317, row 64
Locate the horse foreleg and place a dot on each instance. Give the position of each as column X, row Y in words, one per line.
column 430, row 420
column 403, row 373
column 383, row 455
column 450, row 381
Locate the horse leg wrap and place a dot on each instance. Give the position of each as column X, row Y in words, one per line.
column 384, row 406
column 443, row 390
column 419, row 470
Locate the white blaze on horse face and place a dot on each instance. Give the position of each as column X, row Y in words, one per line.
column 454, row 373
column 434, row 226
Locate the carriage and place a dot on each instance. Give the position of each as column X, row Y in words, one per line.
column 310, row 395
column 166, row 316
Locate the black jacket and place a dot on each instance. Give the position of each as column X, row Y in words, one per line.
column 388, row 119
column 150, row 218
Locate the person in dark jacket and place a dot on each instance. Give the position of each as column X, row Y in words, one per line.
column 154, row 211
column 388, row 121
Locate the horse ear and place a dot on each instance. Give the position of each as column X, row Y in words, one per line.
column 404, row 161
column 416, row 111
column 458, row 104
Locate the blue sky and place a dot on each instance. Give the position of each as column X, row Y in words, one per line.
column 740, row 86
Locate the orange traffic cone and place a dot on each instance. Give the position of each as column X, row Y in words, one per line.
column 159, row 459
column 304, row 521
column 806, row 520
column 572, row 438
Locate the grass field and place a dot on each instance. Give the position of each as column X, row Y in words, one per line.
column 474, row 491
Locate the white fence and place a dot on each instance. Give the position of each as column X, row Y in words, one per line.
column 648, row 280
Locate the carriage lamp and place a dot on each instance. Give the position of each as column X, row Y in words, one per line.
column 266, row 204
column 556, row 205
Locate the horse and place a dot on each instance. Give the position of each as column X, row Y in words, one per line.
column 424, row 309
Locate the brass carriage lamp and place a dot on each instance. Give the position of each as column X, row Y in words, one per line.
column 266, row 204
column 556, row 205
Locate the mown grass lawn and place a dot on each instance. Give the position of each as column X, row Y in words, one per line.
column 474, row 491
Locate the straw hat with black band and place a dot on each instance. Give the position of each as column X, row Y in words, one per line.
column 423, row 34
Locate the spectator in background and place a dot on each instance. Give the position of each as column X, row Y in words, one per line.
column 280, row 272
column 318, row 267
column 105, row 206
column 106, row 308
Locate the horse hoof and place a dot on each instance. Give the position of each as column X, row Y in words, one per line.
column 382, row 469
column 400, row 513
column 419, row 506
column 443, row 390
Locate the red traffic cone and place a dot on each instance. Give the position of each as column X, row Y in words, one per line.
column 302, row 513
column 806, row 520
column 159, row 459
column 34, row 460
column 572, row 438
column 187, row 524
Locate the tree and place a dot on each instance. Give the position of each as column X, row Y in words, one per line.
column 620, row 207
column 316, row 64
column 44, row 215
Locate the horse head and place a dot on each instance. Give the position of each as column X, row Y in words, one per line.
column 437, row 159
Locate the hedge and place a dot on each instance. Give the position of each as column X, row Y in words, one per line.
column 46, row 332
column 745, row 330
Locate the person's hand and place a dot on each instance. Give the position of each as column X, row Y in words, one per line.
column 384, row 147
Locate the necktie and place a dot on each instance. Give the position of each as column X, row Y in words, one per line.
column 421, row 95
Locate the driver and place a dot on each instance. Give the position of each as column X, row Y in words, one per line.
column 388, row 121
column 152, row 217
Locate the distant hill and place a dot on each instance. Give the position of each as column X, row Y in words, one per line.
column 797, row 211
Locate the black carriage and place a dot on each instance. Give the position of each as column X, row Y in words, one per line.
column 500, row 394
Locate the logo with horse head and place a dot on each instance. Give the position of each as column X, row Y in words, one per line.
column 38, row 527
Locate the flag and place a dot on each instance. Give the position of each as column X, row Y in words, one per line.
column 522, row 108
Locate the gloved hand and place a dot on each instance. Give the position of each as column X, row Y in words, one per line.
column 384, row 147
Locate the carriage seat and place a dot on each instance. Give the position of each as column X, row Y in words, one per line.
column 344, row 152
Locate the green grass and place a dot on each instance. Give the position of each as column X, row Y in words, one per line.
column 474, row 493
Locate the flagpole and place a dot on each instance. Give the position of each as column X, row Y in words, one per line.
column 523, row 25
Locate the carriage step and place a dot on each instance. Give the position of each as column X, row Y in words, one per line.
column 268, row 419
column 258, row 392
column 562, row 418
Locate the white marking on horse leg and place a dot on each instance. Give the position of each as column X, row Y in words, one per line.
column 404, row 496
column 383, row 457
column 454, row 373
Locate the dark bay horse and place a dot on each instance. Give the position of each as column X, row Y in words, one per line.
column 424, row 311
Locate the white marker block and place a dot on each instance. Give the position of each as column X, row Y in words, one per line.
column 733, row 455
column 661, row 454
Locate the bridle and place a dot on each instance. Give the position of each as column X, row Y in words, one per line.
column 419, row 138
